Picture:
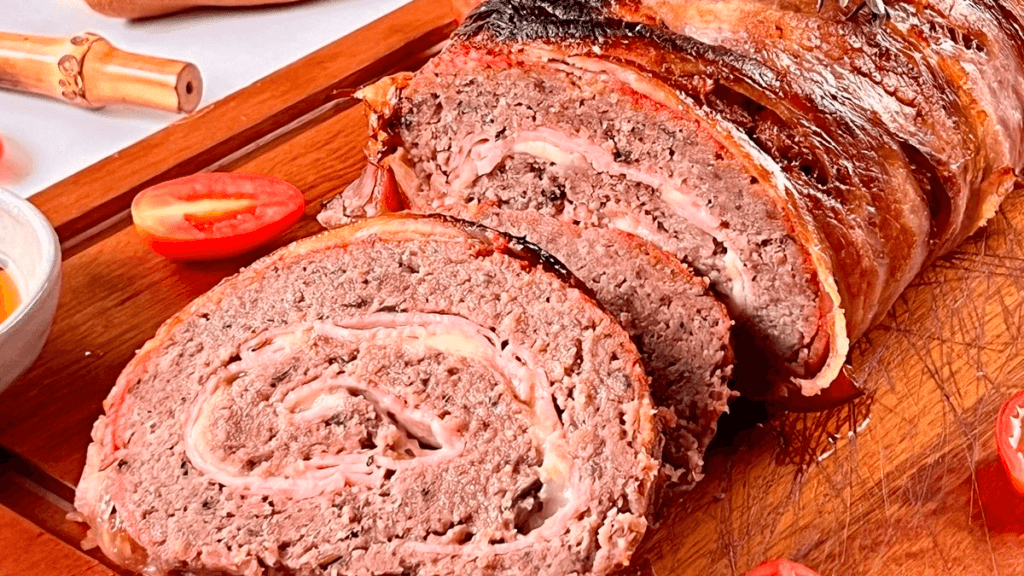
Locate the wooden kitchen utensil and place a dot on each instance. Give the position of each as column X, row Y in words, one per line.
column 149, row 8
column 88, row 71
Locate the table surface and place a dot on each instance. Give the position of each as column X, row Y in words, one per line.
column 904, row 482
column 46, row 140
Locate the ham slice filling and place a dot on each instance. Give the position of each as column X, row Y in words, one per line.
column 423, row 438
column 480, row 154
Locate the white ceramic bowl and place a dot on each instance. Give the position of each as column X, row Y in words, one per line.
column 30, row 252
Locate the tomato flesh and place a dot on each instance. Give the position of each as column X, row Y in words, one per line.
column 782, row 567
column 387, row 186
column 1008, row 440
column 215, row 215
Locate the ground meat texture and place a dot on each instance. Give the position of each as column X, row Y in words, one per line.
column 771, row 297
column 407, row 395
column 680, row 329
column 588, row 150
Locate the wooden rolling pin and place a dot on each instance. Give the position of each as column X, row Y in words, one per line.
column 148, row 8
column 87, row 71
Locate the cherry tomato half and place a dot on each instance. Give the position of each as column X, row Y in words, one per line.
column 782, row 568
column 215, row 215
column 1008, row 439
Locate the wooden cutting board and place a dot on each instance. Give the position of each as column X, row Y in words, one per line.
column 30, row 550
column 904, row 482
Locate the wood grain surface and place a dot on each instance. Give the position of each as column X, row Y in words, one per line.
column 918, row 489
column 903, row 482
column 28, row 549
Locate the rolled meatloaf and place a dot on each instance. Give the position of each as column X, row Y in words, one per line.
column 807, row 160
column 681, row 331
column 407, row 395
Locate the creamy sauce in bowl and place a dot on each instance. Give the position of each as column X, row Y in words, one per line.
column 30, row 276
column 9, row 298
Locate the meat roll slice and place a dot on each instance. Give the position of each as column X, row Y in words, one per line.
column 680, row 329
column 499, row 127
column 404, row 395
column 807, row 162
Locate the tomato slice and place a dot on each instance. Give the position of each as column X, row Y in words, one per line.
column 215, row 215
column 1008, row 440
column 386, row 186
column 782, row 567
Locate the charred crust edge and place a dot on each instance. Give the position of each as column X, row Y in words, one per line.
column 519, row 248
column 567, row 21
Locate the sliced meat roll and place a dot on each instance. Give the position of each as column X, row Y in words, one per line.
column 680, row 329
column 808, row 163
column 485, row 128
column 682, row 332
column 404, row 395
column 942, row 80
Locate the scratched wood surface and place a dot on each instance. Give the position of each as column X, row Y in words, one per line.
column 917, row 489
column 28, row 549
column 903, row 482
